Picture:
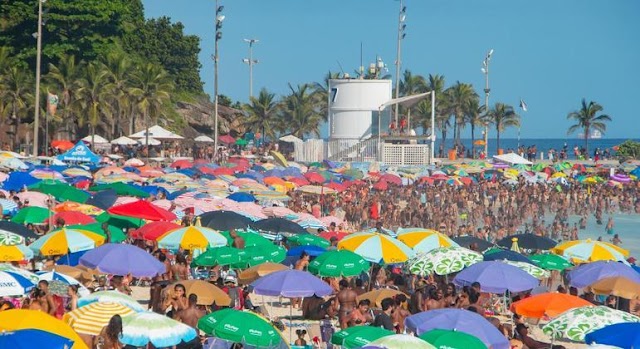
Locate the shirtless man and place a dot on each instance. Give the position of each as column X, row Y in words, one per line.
column 303, row 262
column 362, row 315
column 238, row 241
column 347, row 299
column 400, row 313
column 437, row 300
column 47, row 304
column 190, row 315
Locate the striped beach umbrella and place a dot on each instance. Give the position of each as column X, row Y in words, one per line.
column 111, row 297
column 92, row 318
column 27, row 274
column 443, row 261
column 55, row 276
column 140, row 329
column 192, row 237
column 376, row 247
column 590, row 251
column 8, row 206
column 15, row 253
column 14, row 284
column 424, row 240
column 62, row 241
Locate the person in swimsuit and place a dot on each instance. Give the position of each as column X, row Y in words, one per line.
column 362, row 315
column 109, row 337
column 347, row 298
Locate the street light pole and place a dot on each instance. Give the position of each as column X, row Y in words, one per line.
column 485, row 70
column 218, row 20
column 401, row 35
column 251, row 62
column 433, row 126
column 36, row 118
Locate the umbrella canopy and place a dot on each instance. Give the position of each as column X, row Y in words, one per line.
column 399, row 341
column 458, row 320
column 247, row 328
column 9, row 238
column 111, row 297
column 144, row 210
column 452, row 339
column 618, row 286
column 61, row 191
column 121, row 189
column 207, row 293
column 14, row 284
column 622, row 335
column 338, row 264
column 443, row 261
column 19, row 229
column 115, row 234
column 140, row 329
column 496, row 277
column 591, row 251
column 153, row 230
column 55, row 276
column 528, row 241
column 71, row 218
column 191, row 237
column 32, row 214
column 550, row 261
column 65, row 240
column 530, row 269
column 376, row 296
column 251, row 239
column 311, row 250
column 29, row 338
column 278, row 225
column 424, row 240
column 470, row 241
column 224, row 220
column 260, row 254
column 14, row 253
column 358, row 336
column 91, row 318
column 376, row 247
column 500, row 255
column 19, row 319
column 574, row 324
column 547, row 304
column 291, row 283
column 308, row 240
column 224, row 255
column 587, row 274
column 241, row 197
column 123, row 259
column 252, row 274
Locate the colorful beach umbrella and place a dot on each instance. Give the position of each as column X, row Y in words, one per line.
column 252, row 274
column 496, row 277
column 63, row 241
column 528, row 241
column 71, row 218
column 91, row 318
column 15, row 253
column 251, row 238
column 587, row 274
column 19, row 319
column 338, row 264
column 550, row 261
column 358, row 336
column 547, row 304
column 424, row 240
column 576, row 323
column 377, row 248
column 256, row 255
column 291, row 283
column 376, row 296
column 399, row 341
column 19, row 229
column 224, row 220
column 443, row 261
column 618, row 286
column 590, row 251
column 14, row 284
column 111, row 297
column 207, row 293
column 121, row 189
column 191, row 237
column 61, row 191
column 153, row 230
column 530, row 269
column 452, row 339
column 8, row 238
column 144, row 210
column 224, row 255
column 32, row 214
column 308, row 239
column 247, row 328
column 123, row 259
column 30, row 338
column 621, row 335
column 115, row 234
column 140, row 329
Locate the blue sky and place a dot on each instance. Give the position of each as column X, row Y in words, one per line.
column 550, row 53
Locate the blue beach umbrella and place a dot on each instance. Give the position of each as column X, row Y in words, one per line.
column 241, row 197
column 14, row 284
column 32, row 338
column 623, row 335
column 311, row 250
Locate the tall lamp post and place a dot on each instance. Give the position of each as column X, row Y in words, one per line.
column 485, row 70
column 219, row 19
column 251, row 62
column 401, row 34
column 36, row 117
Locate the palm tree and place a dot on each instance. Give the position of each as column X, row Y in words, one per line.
column 502, row 116
column 475, row 117
column 586, row 119
column 411, row 84
column 65, row 79
column 300, row 115
column 94, row 98
column 119, row 69
column 261, row 112
column 152, row 89
column 15, row 93
column 436, row 83
column 458, row 97
column 321, row 93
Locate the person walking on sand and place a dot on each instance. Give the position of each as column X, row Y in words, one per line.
column 609, row 228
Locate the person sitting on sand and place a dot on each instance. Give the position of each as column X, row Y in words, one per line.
column 522, row 332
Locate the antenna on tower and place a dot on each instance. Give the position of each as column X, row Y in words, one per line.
column 361, row 70
column 342, row 70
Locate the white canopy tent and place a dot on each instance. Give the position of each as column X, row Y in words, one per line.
column 124, row 140
column 204, row 139
column 291, row 139
column 512, row 159
column 152, row 141
column 158, row 133
column 95, row 139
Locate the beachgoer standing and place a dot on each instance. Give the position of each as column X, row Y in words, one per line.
column 347, row 299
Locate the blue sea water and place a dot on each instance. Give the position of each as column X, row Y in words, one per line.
column 542, row 144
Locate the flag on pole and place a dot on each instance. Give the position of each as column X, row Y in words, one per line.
column 523, row 105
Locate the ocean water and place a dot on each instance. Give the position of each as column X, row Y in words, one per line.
column 542, row 144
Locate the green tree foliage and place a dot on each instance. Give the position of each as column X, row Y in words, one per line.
column 162, row 42
column 629, row 150
column 586, row 118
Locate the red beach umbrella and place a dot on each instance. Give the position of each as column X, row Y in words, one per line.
column 182, row 164
column 153, row 230
column 314, row 177
column 143, row 210
column 72, row 218
column 62, row 144
column 223, row 171
column 381, row 185
column 330, row 234
column 299, row 181
column 227, row 139
column 393, row 179
column 336, row 186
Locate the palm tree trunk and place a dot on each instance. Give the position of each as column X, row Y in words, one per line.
column 497, row 138
column 587, row 131
column 473, row 141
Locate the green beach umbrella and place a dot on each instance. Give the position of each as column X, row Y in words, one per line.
column 121, row 189
column 307, row 240
column 219, row 256
column 238, row 326
column 117, row 235
column 538, row 167
column 443, row 261
column 550, row 261
column 338, row 263
column 250, row 238
column 257, row 255
column 452, row 339
column 530, row 269
column 120, row 222
column 241, row 141
column 61, row 191
column 358, row 336
column 32, row 214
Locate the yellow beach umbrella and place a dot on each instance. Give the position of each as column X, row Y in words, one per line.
column 15, row 253
column 377, row 248
column 191, row 237
column 63, row 241
column 91, row 318
column 582, row 251
column 19, row 319
column 279, row 158
column 618, row 286
column 424, row 240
